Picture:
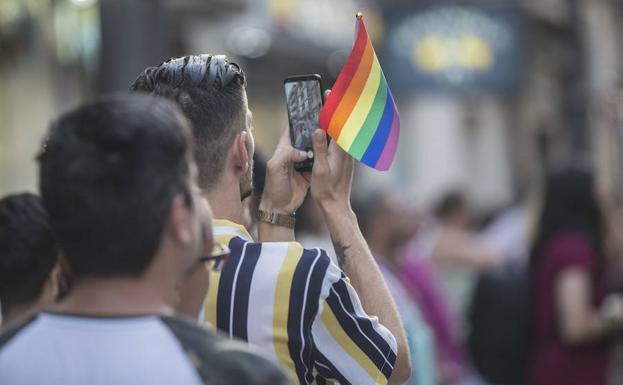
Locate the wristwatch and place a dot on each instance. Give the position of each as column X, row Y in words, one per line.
column 284, row 220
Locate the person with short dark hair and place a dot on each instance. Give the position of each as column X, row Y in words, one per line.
column 118, row 181
column 453, row 206
column 29, row 261
column 294, row 303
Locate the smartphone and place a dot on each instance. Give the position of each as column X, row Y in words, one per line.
column 304, row 99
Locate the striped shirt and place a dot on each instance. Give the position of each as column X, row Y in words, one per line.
column 300, row 308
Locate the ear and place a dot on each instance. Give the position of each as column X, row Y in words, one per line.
column 179, row 224
column 53, row 282
column 241, row 152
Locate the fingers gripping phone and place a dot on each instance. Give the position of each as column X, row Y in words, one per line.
column 304, row 100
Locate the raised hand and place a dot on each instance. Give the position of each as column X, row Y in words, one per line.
column 332, row 174
column 284, row 189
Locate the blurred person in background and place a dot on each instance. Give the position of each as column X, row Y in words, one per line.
column 508, row 234
column 119, row 184
column 500, row 307
column 30, row 272
column 423, row 284
column 294, row 303
column 386, row 224
column 439, row 266
column 456, row 251
column 456, row 243
column 573, row 317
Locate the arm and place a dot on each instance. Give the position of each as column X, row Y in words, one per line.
column 580, row 321
column 331, row 187
column 456, row 248
column 349, row 345
column 284, row 190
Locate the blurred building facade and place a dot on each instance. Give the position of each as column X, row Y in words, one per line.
column 488, row 91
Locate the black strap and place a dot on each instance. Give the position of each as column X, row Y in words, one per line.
column 220, row 361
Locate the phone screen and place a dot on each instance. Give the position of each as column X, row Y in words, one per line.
column 304, row 102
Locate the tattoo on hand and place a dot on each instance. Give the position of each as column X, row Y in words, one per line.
column 340, row 252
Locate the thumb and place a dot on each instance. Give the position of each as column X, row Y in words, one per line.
column 321, row 161
column 297, row 155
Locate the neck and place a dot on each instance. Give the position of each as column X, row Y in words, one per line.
column 115, row 296
column 225, row 200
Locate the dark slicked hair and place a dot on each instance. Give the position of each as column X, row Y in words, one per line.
column 210, row 91
column 108, row 173
column 28, row 250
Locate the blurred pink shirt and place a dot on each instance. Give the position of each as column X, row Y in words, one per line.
column 554, row 362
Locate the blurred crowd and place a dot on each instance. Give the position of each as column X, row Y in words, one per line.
column 425, row 275
column 529, row 295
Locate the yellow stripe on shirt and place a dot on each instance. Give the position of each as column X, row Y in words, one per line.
column 282, row 307
column 347, row 345
column 210, row 302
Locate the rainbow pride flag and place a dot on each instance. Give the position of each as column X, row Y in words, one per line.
column 360, row 113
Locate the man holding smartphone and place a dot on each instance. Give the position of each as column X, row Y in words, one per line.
column 302, row 309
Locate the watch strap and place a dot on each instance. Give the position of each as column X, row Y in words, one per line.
column 284, row 220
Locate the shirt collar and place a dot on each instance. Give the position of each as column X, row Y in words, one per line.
column 227, row 227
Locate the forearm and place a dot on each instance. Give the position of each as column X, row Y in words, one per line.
column 594, row 327
column 267, row 232
column 580, row 321
column 589, row 330
column 357, row 261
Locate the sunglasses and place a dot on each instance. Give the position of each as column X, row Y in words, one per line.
column 218, row 256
